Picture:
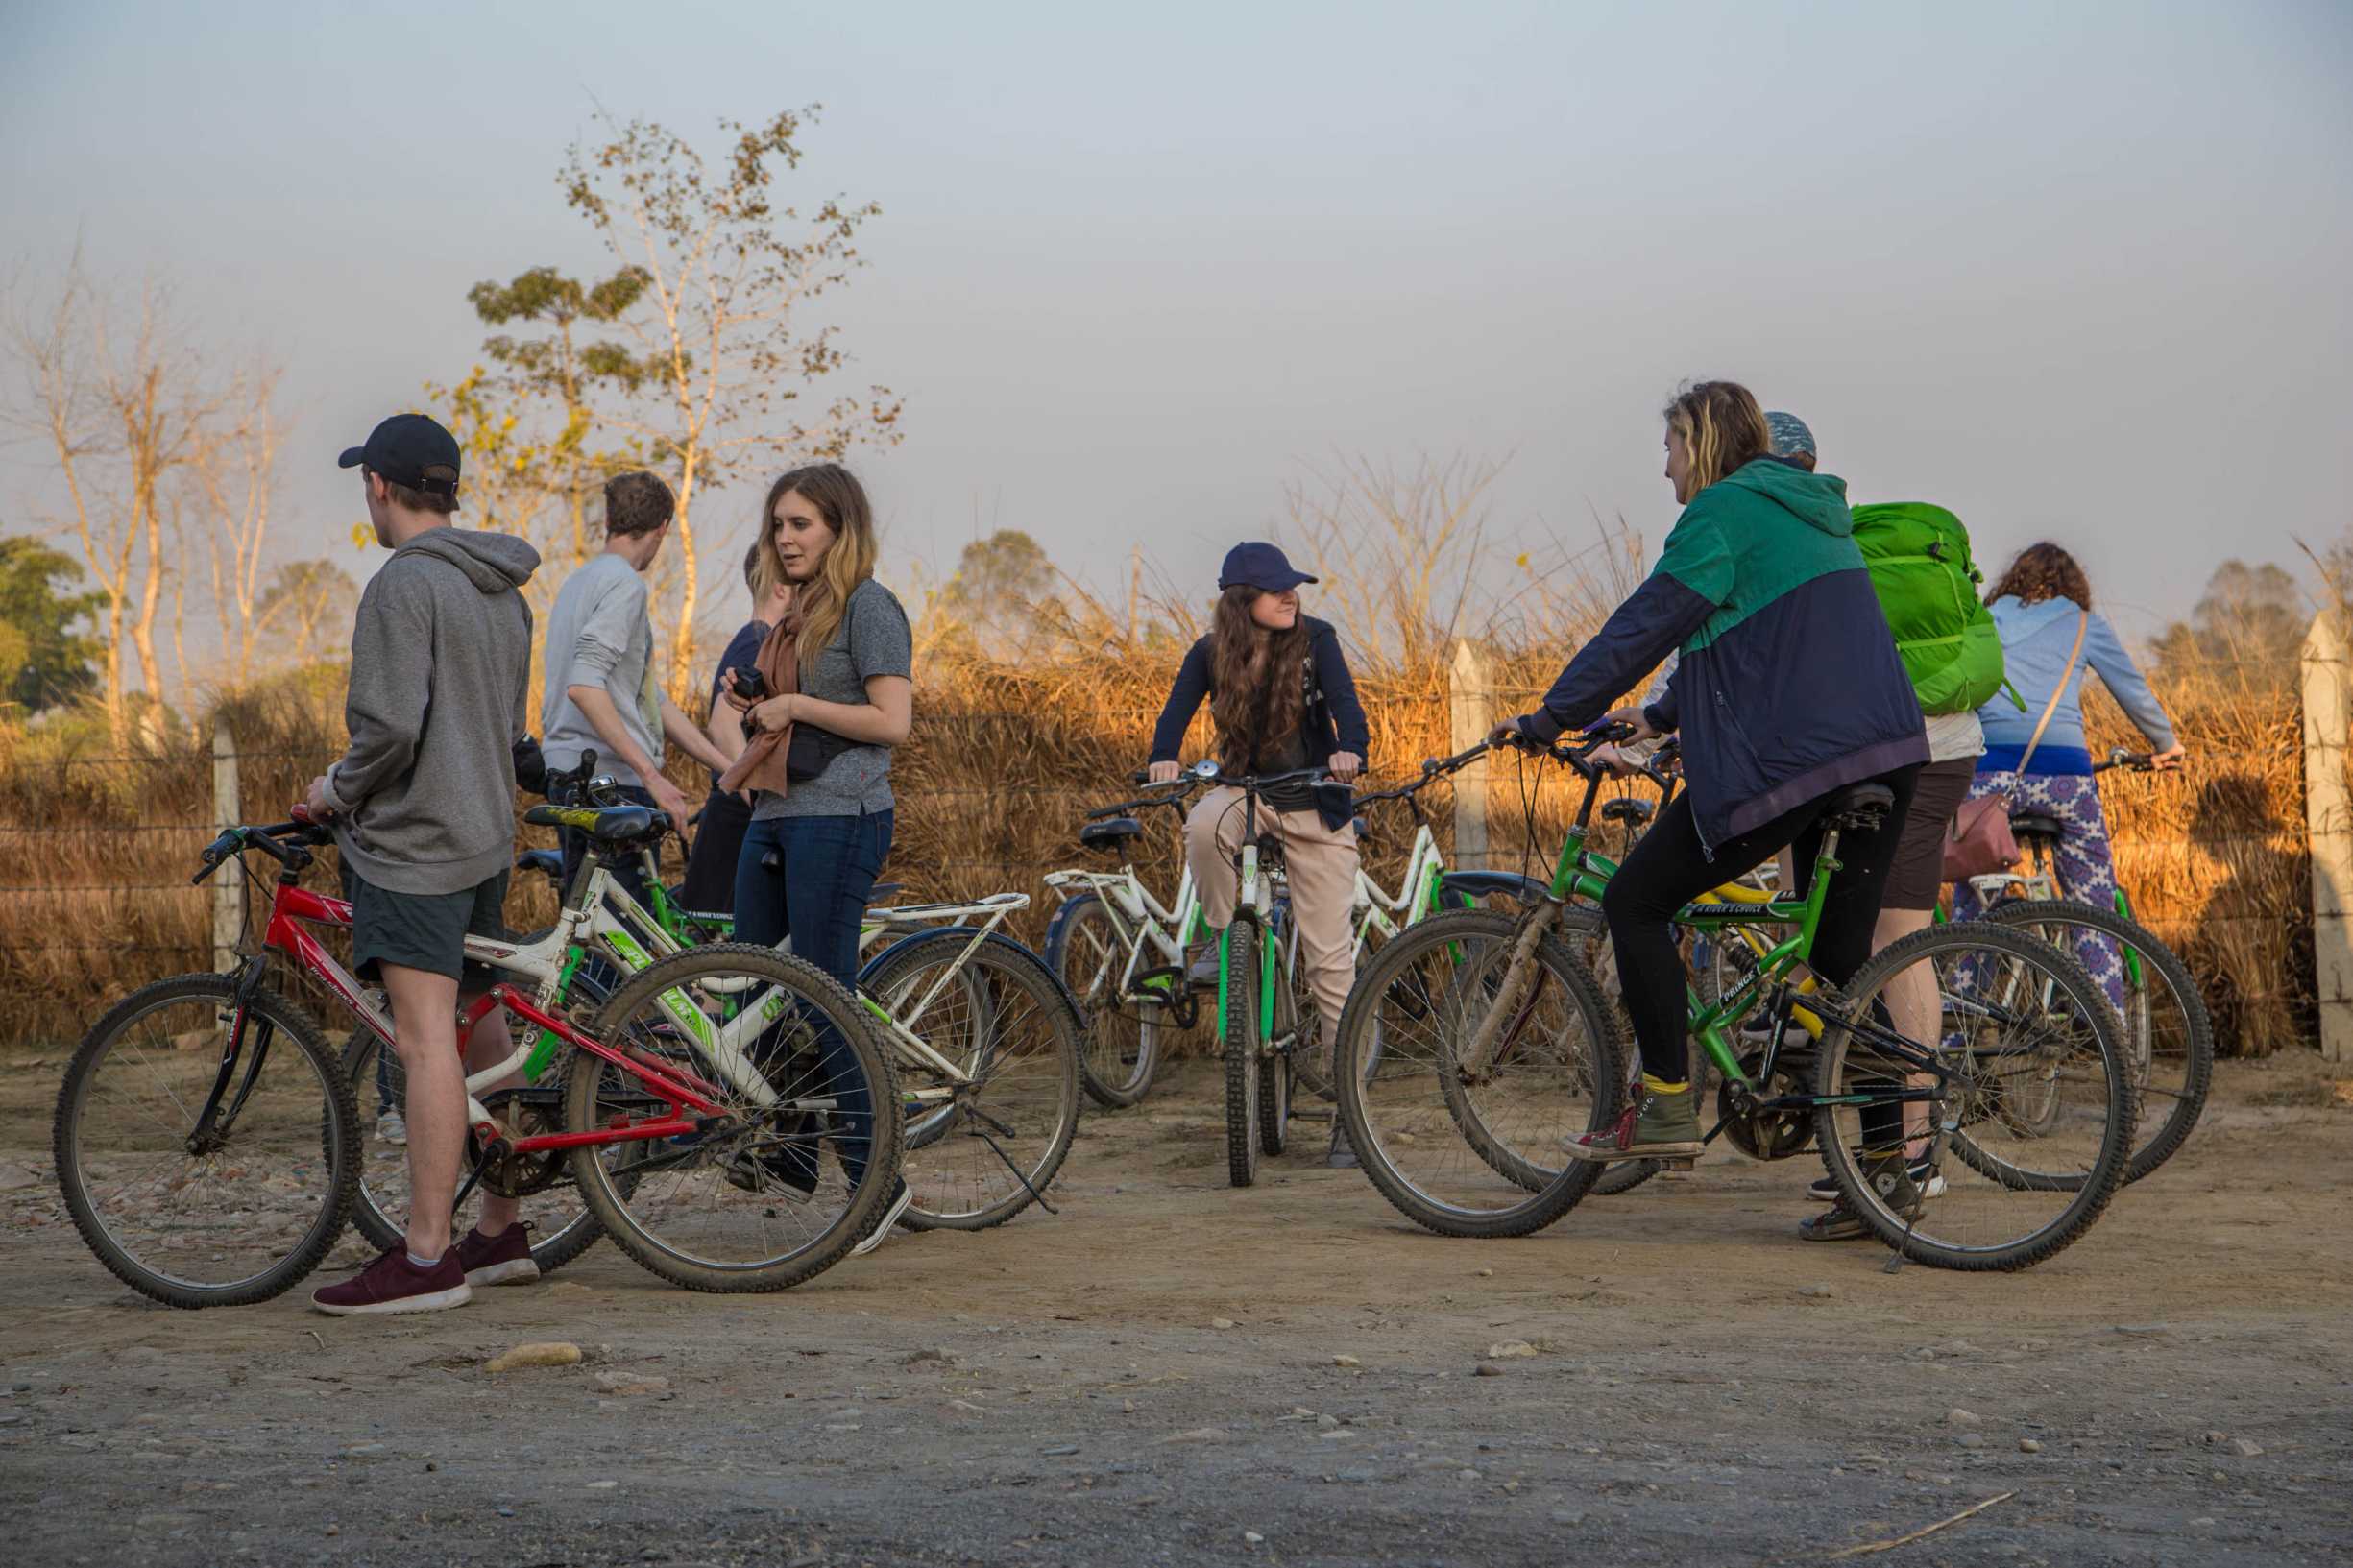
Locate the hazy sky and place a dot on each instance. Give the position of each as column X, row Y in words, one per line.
column 2076, row 270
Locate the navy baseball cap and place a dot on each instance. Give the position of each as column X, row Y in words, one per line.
column 409, row 449
column 1262, row 566
column 1790, row 437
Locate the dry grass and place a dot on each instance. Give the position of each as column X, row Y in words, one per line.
column 1008, row 753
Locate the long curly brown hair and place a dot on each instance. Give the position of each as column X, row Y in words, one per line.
column 1257, row 681
column 2043, row 571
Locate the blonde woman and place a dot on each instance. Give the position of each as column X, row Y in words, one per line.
column 1788, row 689
column 827, row 699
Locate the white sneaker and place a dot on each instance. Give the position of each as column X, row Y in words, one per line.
column 891, row 1219
column 391, row 1128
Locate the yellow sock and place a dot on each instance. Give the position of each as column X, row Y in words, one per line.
column 1660, row 1086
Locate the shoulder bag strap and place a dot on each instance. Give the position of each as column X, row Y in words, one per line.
column 2060, row 690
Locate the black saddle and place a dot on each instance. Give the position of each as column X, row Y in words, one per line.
column 1861, row 806
column 549, row 863
column 1633, row 813
column 1109, row 834
column 2036, row 824
column 605, row 824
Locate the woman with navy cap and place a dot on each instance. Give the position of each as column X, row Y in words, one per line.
column 1282, row 699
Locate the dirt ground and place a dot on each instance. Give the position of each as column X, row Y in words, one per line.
column 1172, row 1371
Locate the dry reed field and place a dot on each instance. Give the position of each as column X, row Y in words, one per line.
column 1006, row 755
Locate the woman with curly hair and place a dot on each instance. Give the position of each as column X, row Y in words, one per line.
column 1282, row 697
column 2050, row 636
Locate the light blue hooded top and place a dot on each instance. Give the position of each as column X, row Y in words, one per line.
column 2035, row 640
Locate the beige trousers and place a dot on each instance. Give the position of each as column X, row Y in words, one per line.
column 1321, row 867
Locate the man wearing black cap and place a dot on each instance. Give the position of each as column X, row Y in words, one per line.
column 422, row 804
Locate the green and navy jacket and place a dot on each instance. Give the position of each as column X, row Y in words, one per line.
column 1789, row 686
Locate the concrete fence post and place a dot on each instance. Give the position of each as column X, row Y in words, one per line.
column 2328, row 817
column 228, row 886
column 1468, row 694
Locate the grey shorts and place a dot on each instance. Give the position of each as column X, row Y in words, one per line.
column 1918, row 874
column 424, row 931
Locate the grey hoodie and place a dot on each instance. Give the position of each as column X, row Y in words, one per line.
column 440, row 674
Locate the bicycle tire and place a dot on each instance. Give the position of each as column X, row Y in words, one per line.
column 873, row 1192
column 1241, row 1048
column 2158, row 1142
column 339, row 1143
column 551, row 1247
column 1110, row 1078
column 997, row 965
column 1359, row 1028
column 2085, row 1008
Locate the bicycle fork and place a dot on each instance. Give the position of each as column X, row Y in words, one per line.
column 210, row 1133
column 1517, row 978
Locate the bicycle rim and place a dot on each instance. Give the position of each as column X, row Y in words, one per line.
column 799, row 1165
column 1121, row 1046
column 1465, row 1149
column 2017, row 1023
column 226, row 1220
column 995, row 1012
column 2166, row 1035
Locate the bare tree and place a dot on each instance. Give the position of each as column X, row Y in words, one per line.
column 723, row 275
column 118, row 401
column 235, row 466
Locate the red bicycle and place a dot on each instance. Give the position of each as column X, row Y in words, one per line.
column 208, row 1143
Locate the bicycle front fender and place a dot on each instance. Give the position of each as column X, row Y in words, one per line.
column 1480, row 884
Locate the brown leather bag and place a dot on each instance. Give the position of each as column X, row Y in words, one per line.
column 1979, row 843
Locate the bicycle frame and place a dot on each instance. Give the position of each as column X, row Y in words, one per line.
column 1142, row 922
column 1417, row 892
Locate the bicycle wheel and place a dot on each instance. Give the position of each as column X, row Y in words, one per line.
column 800, row 1163
column 561, row 1225
column 992, row 1009
column 1121, row 1044
column 1311, row 1053
column 1241, row 1045
column 231, row 1215
column 1465, row 1150
column 2018, row 1021
column 2166, row 1035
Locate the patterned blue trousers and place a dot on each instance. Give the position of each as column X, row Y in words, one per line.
column 2086, row 869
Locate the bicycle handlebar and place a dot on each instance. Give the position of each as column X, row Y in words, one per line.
column 236, row 841
column 2131, row 762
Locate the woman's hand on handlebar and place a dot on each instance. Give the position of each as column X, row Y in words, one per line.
column 1632, row 719
column 1160, row 773
column 2165, row 761
column 1344, row 765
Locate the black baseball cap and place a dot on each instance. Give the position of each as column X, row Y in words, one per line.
column 1262, row 566
column 409, row 449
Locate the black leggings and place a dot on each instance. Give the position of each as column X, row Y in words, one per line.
column 1668, row 869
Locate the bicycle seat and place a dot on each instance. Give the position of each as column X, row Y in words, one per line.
column 1863, row 806
column 1633, row 813
column 2036, row 824
column 1109, row 833
column 549, row 863
column 606, row 824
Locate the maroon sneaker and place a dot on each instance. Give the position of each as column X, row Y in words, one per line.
column 504, row 1259
column 392, row 1284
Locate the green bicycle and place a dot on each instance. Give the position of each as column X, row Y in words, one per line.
column 1495, row 1046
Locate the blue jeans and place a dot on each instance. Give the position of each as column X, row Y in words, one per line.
column 828, row 866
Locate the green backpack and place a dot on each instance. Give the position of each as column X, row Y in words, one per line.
column 1919, row 560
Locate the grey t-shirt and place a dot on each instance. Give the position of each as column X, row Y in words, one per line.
column 599, row 635
column 872, row 640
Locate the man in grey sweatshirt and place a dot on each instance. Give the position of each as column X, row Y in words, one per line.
column 424, row 807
